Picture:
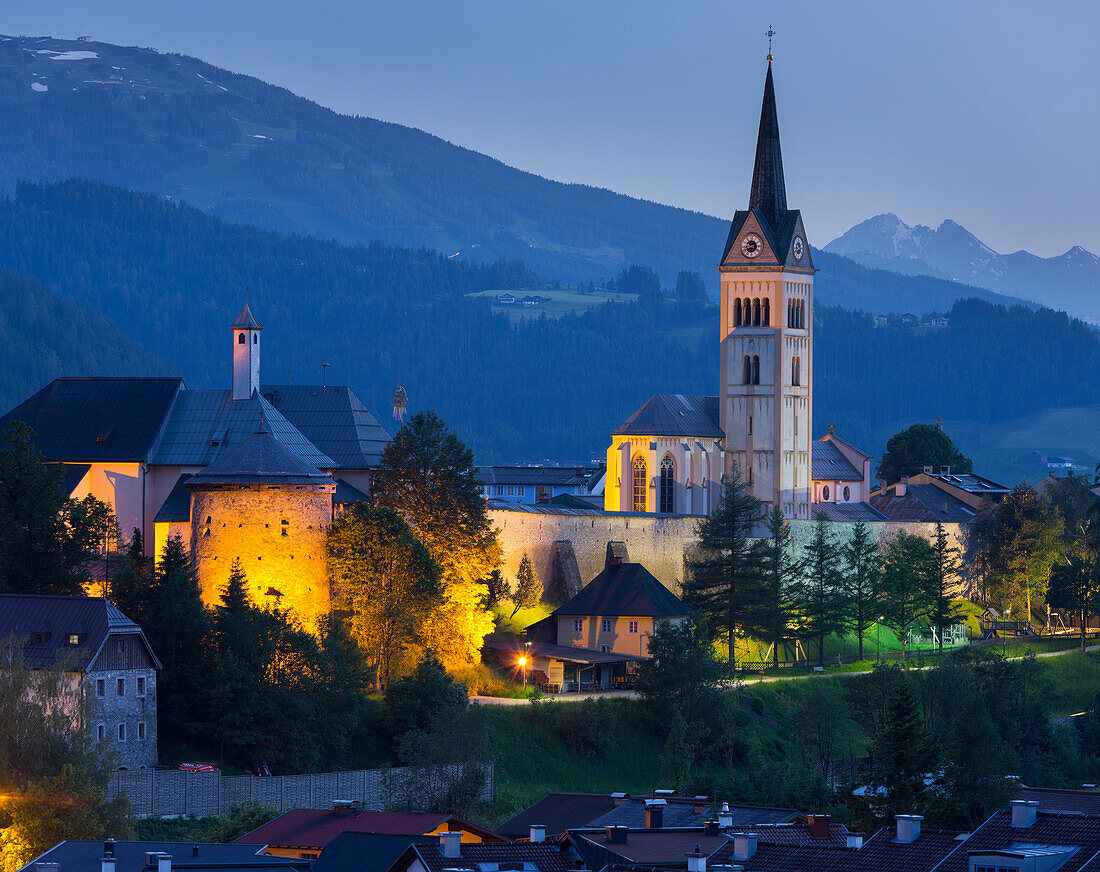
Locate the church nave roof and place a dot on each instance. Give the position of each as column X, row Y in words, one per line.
column 674, row 415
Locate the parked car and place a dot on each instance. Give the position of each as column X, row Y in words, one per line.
column 198, row 767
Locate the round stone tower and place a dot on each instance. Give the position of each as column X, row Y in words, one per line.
column 263, row 504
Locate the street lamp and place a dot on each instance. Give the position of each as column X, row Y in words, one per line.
column 878, row 638
column 523, row 663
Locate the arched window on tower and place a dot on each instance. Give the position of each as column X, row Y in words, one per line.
column 639, row 483
column 756, row 312
column 746, row 371
column 755, row 370
column 255, row 338
column 802, row 314
column 767, row 312
column 667, row 503
column 240, row 339
column 737, row 312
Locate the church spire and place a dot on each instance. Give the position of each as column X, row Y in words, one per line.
column 769, row 193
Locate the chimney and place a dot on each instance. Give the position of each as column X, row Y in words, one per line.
column 195, row 849
column 342, row 806
column 450, row 844
column 901, row 486
column 151, row 859
column 701, row 803
column 744, row 846
column 818, row 825
column 107, row 864
column 697, row 861
column 710, row 828
column 616, row 835
column 654, row 814
column 618, row 798
column 725, row 816
column 664, row 792
column 927, row 470
column 538, row 832
column 853, row 840
column 945, row 470
column 1023, row 812
column 108, row 847
column 908, row 827
column 164, row 862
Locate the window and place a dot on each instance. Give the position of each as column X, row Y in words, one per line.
column 756, row 312
column 767, row 313
column 121, row 646
column 100, row 688
column 141, row 731
column 750, row 425
column 240, row 339
column 847, row 493
column 639, row 484
column 825, row 492
column 668, row 487
column 578, row 625
column 122, row 687
column 796, row 370
column 605, row 625
column 746, row 371
column 606, row 649
column 101, row 732
column 255, row 338
column 755, row 370
column 737, row 312
column 74, row 638
column 122, row 732
column 632, row 626
column 141, row 685
column 500, row 490
column 748, row 474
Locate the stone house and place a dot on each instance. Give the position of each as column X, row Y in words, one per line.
column 111, row 664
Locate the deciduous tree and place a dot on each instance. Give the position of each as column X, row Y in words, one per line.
column 918, row 446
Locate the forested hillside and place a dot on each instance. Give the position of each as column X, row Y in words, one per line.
column 43, row 334
column 174, row 277
column 251, row 152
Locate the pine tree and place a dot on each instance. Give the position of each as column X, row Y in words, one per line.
column 945, row 572
column 862, row 570
column 908, row 581
column 821, row 597
column 724, row 579
column 770, row 616
column 903, row 757
column 528, row 590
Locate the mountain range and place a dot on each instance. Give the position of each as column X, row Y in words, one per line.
column 1069, row 281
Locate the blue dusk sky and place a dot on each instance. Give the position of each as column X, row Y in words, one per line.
column 984, row 112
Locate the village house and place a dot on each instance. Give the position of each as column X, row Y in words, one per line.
column 533, row 484
column 112, row 856
column 107, row 658
column 450, row 854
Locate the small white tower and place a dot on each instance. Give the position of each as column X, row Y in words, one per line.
column 246, row 354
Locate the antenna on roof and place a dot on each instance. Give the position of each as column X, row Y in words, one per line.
column 324, row 368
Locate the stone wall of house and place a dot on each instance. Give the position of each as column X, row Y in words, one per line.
column 660, row 543
column 156, row 792
column 278, row 533
column 129, row 709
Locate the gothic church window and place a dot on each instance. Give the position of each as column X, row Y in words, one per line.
column 668, row 485
column 639, row 484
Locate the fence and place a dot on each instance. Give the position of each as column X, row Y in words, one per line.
column 163, row 792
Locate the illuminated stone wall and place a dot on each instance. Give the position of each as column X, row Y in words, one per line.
column 278, row 532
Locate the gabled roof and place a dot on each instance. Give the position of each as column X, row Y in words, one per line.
column 73, row 475
column 205, row 424
column 97, row 420
column 259, row 458
column 626, row 589
column 541, row 857
column 1056, row 799
column 366, row 852
column 829, row 464
column 922, row 502
column 334, row 420
column 315, row 828
column 667, row 845
column 686, row 812
column 1050, row 828
column 92, row 619
column 85, row 856
column 971, row 483
column 674, row 415
column 560, row 476
column 558, row 812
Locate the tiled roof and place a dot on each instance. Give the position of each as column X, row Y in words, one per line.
column 97, row 420
column 562, row 476
column 334, row 420
column 1054, row 799
column 1050, row 828
column 90, row 618
column 366, row 852
column 544, row 856
column 308, row 827
column 656, row 846
column 922, row 502
column 674, row 415
column 848, row 512
column 176, row 507
column 829, row 464
column 626, row 589
column 85, row 856
column 558, row 812
column 881, row 853
column 259, row 458
column 204, row 425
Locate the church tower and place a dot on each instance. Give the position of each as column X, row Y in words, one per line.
column 765, row 391
column 246, row 354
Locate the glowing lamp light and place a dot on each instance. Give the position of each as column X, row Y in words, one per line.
column 522, row 661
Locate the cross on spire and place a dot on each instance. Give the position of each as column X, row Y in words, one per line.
column 769, row 34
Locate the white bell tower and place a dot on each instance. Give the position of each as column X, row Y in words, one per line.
column 246, row 354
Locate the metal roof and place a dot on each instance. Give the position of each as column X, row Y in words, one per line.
column 97, row 420
column 333, row 419
column 849, row 512
column 73, row 476
column 674, row 415
column 971, row 483
column 259, row 458
column 627, row 589
column 348, row 493
column 829, row 464
column 246, row 320
column 205, row 424
column 176, row 507
column 561, row 476
column 86, row 856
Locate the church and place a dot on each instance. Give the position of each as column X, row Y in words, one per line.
column 669, row 457
column 255, row 472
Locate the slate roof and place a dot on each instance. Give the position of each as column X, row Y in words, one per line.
column 626, row 589
column 784, row 833
column 92, row 618
column 348, row 493
column 554, row 508
column 922, row 502
column 829, row 464
column 176, row 507
column 1054, row 799
column 315, row 828
column 73, row 475
column 560, row 476
column 97, row 420
column 85, row 856
column 205, row 424
column 558, row 812
column 333, row 419
column 848, row 512
column 674, row 415
column 366, row 852
column 769, row 190
column 259, row 458
column 544, row 856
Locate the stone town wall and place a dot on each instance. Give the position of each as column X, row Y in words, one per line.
column 157, row 792
column 660, row 543
column 279, row 535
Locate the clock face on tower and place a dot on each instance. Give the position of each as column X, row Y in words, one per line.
column 799, row 248
column 751, row 246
